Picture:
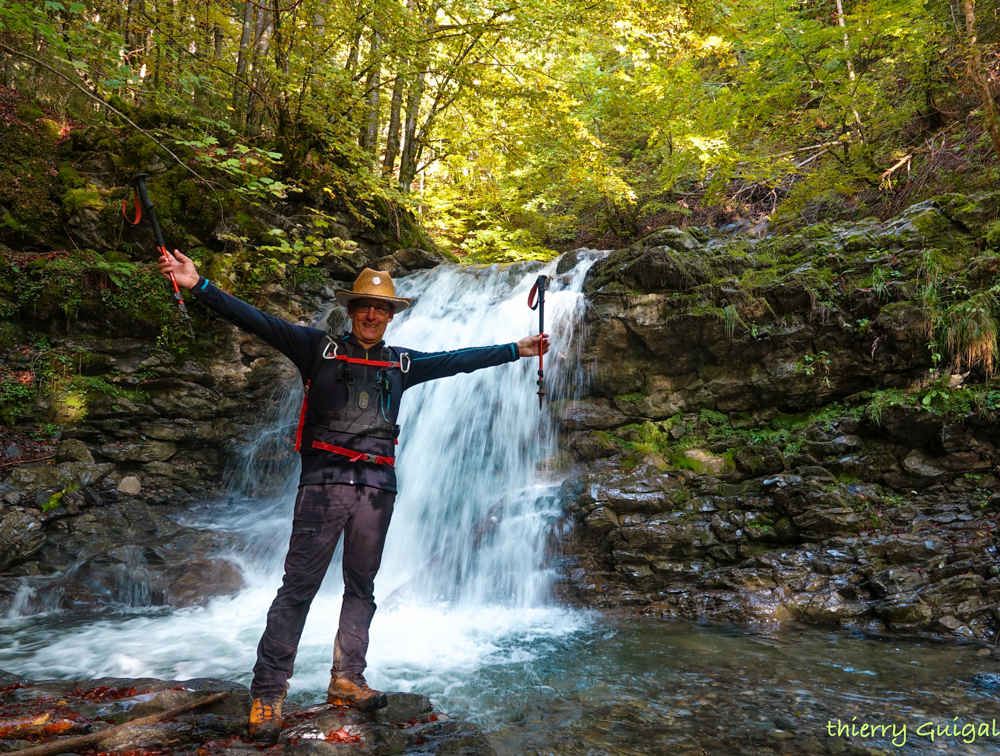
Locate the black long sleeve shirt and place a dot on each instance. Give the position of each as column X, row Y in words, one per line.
column 301, row 344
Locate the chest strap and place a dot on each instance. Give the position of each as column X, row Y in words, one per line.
column 403, row 364
column 356, row 456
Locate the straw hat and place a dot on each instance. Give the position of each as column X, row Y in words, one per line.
column 372, row 284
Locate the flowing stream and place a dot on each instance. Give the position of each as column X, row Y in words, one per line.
column 465, row 614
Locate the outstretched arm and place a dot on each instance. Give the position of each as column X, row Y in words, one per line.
column 428, row 366
column 295, row 342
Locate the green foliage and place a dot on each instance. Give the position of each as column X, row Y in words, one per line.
column 121, row 296
column 812, row 364
column 17, row 398
column 55, row 500
column 970, row 331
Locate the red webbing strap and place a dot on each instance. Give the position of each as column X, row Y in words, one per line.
column 356, row 361
column 356, row 456
column 138, row 211
column 302, row 417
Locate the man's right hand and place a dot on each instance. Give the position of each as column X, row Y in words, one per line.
column 183, row 268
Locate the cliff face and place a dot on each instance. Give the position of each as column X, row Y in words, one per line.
column 795, row 427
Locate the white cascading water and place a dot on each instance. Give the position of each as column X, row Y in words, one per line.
column 464, row 580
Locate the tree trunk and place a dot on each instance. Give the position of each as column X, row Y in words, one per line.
column 369, row 131
column 981, row 76
column 242, row 59
column 410, row 155
column 392, row 139
column 850, row 67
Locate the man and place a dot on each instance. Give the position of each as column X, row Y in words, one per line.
column 346, row 435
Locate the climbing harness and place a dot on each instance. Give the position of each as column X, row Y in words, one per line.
column 539, row 289
column 138, row 185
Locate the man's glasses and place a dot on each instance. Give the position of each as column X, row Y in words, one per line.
column 380, row 310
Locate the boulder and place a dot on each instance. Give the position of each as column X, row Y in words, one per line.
column 906, row 613
column 30, row 480
column 73, row 450
column 21, row 537
column 87, row 473
column 130, row 486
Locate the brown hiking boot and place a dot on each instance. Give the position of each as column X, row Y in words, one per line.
column 353, row 691
column 265, row 718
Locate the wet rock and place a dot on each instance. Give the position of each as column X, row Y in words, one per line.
column 125, row 554
column 987, row 681
column 824, row 607
column 322, row 748
column 591, row 447
column 951, row 625
column 952, row 590
column 897, row 580
column 601, row 520
column 644, row 489
column 403, row 707
column 151, row 451
column 589, row 415
column 87, row 473
column 73, row 450
column 905, row 549
column 21, row 536
column 760, row 459
column 906, row 613
column 130, row 486
column 146, row 737
column 820, row 524
column 450, row 737
column 29, row 480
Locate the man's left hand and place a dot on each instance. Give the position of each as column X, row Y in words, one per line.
column 529, row 345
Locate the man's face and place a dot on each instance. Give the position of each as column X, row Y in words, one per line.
column 369, row 317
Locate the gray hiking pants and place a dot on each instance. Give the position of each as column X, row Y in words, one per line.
column 322, row 513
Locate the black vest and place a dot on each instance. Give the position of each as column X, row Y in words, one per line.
column 346, row 400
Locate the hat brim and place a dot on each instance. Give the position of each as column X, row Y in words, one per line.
column 345, row 297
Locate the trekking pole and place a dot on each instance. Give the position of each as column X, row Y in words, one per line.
column 539, row 289
column 142, row 202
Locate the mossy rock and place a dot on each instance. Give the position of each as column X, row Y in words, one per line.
column 69, row 177
column 974, row 212
column 29, row 111
column 49, row 129
column 86, row 198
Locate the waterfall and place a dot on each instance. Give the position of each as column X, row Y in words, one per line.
column 464, row 580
